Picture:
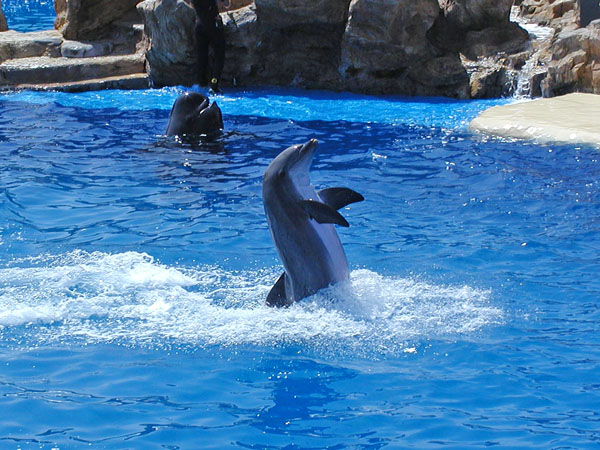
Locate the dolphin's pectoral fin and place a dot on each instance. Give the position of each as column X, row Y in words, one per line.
column 323, row 213
column 338, row 197
column 277, row 295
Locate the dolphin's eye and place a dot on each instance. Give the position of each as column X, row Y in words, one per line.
column 281, row 173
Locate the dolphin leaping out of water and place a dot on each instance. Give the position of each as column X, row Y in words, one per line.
column 301, row 223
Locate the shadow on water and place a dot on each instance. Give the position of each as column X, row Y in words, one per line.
column 300, row 392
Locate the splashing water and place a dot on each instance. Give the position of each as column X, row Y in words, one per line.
column 131, row 299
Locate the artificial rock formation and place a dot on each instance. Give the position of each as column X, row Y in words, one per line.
column 385, row 48
column 575, row 62
column 480, row 33
column 231, row 5
column 558, row 14
column 169, row 31
column 89, row 19
column 98, row 45
column 569, row 59
column 299, row 42
column 457, row 48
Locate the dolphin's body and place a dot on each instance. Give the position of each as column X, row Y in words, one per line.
column 192, row 113
column 301, row 223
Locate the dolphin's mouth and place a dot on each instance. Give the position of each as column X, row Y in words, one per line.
column 305, row 155
column 308, row 149
column 300, row 167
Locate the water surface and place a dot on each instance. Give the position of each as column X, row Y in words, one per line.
column 133, row 272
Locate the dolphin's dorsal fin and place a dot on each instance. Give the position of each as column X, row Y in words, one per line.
column 323, row 213
column 338, row 197
column 277, row 295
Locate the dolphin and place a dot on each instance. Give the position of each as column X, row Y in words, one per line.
column 192, row 113
column 301, row 223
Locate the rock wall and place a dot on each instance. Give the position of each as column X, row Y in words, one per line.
column 385, row 48
column 481, row 35
column 299, row 41
column 456, row 48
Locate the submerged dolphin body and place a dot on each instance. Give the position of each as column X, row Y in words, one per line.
column 301, row 223
column 192, row 113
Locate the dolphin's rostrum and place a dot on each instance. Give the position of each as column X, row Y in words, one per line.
column 301, row 223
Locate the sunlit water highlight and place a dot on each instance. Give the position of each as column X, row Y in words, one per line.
column 29, row 15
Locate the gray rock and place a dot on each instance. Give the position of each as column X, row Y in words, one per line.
column 14, row 44
column 590, row 11
column 76, row 49
column 242, row 43
column 299, row 43
column 281, row 14
column 40, row 70
column 458, row 48
column 385, row 49
column 169, row 29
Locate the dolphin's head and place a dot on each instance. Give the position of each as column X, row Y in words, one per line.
column 192, row 113
column 291, row 166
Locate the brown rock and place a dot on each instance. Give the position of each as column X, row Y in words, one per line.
column 575, row 65
column 89, row 19
column 558, row 14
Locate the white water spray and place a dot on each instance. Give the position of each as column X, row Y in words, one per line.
column 541, row 38
column 130, row 299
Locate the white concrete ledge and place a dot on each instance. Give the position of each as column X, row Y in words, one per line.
column 572, row 118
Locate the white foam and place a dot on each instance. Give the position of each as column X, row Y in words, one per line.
column 132, row 299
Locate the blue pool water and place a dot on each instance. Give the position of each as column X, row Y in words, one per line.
column 134, row 268
column 29, row 15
